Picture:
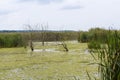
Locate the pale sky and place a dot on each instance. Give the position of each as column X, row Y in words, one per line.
column 60, row 14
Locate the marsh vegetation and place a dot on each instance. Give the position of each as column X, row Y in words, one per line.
column 17, row 63
column 65, row 55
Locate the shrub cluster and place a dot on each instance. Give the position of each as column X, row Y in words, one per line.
column 11, row 40
column 94, row 34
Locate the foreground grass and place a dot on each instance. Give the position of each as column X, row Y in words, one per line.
column 19, row 64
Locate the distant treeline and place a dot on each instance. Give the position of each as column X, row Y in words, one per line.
column 19, row 39
column 22, row 38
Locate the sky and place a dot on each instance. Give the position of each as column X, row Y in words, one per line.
column 60, row 14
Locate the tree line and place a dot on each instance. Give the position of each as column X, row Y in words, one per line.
column 94, row 34
column 21, row 39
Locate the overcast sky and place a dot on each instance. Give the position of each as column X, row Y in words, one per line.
column 60, row 14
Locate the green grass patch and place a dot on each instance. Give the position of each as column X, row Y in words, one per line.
column 19, row 64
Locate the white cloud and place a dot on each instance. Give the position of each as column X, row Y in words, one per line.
column 71, row 7
column 93, row 13
column 41, row 1
column 7, row 7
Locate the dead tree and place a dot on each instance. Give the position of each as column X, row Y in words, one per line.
column 30, row 28
column 31, row 46
column 65, row 46
column 37, row 28
column 63, row 43
column 43, row 33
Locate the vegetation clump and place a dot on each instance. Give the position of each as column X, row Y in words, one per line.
column 109, row 57
column 11, row 40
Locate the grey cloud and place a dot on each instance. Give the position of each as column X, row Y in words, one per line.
column 71, row 7
column 41, row 1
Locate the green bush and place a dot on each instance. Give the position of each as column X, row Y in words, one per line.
column 94, row 34
column 94, row 45
column 11, row 40
column 83, row 37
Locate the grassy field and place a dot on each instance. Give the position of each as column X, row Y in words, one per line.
column 47, row 63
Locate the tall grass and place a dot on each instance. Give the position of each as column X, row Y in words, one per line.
column 109, row 57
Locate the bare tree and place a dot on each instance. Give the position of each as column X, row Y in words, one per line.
column 65, row 46
column 43, row 33
column 30, row 28
column 36, row 29
column 62, row 40
column 31, row 45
